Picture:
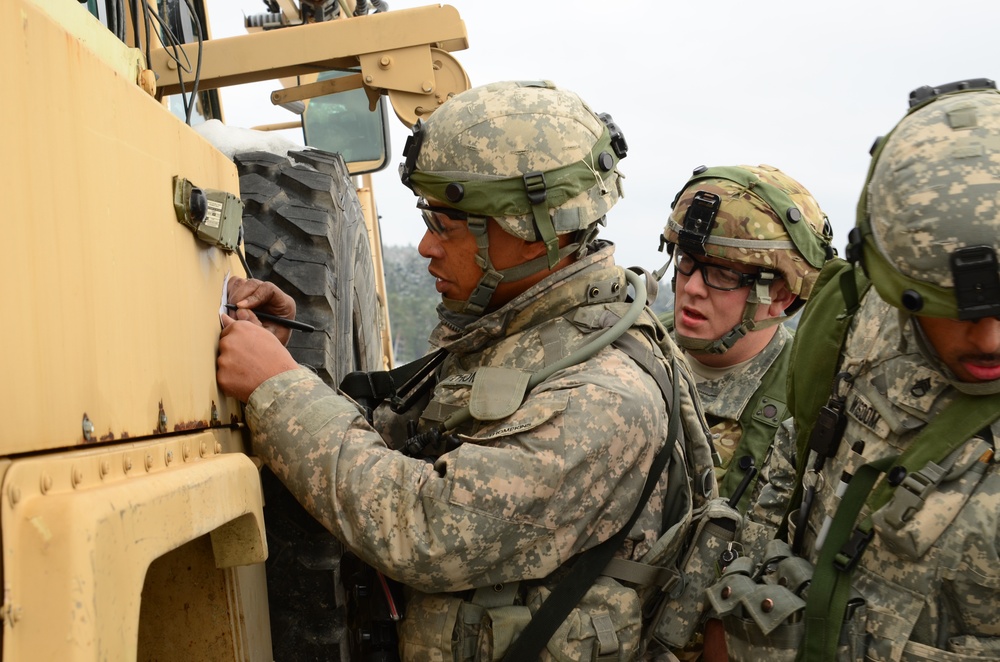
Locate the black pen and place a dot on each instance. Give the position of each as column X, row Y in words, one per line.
column 291, row 324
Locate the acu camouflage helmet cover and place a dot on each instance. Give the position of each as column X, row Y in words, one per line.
column 479, row 150
column 929, row 217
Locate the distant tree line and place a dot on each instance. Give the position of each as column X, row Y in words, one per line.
column 412, row 302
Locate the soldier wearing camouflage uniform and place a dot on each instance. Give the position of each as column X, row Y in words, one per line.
column 747, row 243
column 514, row 179
column 924, row 345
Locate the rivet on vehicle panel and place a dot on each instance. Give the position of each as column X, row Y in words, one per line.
column 218, row 448
column 149, row 461
column 385, row 62
column 127, row 464
column 186, row 452
column 368, row 79
column 14, row 494
column 427, row 87
column 203, row 451
column 46, row 483
column 168, row 457
column 105, row 468
column 88, row 428
column 76, row 477
column 161, row 422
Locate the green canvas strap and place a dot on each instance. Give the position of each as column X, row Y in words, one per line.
column 819, row 339
column 757, row 427
column 831, row 582
column 830, row 588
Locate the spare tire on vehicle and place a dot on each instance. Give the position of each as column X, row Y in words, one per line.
column 305, row 232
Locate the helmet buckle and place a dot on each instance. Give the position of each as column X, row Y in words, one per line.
column 534, row 185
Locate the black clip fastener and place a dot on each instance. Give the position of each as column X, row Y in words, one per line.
column 852, row 550
column 534, row 184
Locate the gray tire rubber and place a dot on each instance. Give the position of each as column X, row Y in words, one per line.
column 304, row 231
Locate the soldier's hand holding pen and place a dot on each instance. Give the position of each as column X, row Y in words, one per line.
column 264, row 303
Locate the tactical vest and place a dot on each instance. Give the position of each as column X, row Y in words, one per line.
column 757, row 423
column 932, row 529
column 610, row 620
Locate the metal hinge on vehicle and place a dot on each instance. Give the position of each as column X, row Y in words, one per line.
column 214, row 216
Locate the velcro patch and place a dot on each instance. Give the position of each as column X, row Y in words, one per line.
column 862, row 411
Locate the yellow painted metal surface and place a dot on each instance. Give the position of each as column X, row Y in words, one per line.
column 81, row 530
column 111, row 305
column 368, row 208
column 328, row 45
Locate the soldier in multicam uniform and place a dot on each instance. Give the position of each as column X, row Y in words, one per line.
column 747, row 244
column 924, row 343
column 514, row 179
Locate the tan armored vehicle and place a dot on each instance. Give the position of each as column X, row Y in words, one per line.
column 133, row 524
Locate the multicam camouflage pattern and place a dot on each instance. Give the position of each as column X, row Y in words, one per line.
column 524, row 493
column 509, row 129
column 744, row 215
column 935, row 188
column 933, row 583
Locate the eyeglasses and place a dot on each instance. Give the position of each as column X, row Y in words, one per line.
column 716, row 277
column 431, row 216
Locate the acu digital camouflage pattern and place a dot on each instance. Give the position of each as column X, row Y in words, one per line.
column 933, row 583
column 725, row 401
column 524, row 493
column 745, row 216
column 508, row 129
column 935, row 187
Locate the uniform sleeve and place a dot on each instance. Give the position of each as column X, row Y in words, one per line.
column 770, row 502
column 515, row 501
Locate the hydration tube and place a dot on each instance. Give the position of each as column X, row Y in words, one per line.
column 590, row 349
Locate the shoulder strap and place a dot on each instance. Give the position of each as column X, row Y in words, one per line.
column 816, row 350
column 581, row 576
column 758, row 425
column 830, row 588
column 818, row 340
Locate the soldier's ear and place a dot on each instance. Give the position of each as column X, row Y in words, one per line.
column 781, row 298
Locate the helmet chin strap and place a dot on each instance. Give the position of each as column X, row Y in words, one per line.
column 481, row 296
column 760, row 293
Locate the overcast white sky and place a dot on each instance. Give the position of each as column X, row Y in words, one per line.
column 804, row 86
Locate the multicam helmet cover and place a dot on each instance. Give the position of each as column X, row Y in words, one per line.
column 753, row 215
column 929, row 217
column 764, row 219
